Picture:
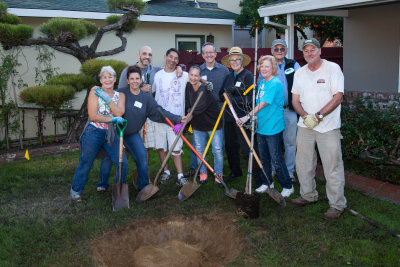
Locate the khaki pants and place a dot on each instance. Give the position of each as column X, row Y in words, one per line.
column 330, row 150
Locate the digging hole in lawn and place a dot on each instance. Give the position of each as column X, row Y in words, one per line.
column 203, row 240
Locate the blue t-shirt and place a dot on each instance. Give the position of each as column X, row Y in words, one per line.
column 270, row 118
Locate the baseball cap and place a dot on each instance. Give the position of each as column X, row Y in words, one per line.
column 314, row 42
column 279, row 42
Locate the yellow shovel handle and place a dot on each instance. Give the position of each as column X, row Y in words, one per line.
column 215, row 128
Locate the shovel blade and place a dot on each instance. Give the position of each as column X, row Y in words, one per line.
column 120, row 196
column 275, row 195
column 147, row 192
column 187, row 190
column 231, row 193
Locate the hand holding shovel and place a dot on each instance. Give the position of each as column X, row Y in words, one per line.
column 149, row 190
column 275, row 195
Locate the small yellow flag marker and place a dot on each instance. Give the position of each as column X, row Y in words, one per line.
column 27, row 154
column 190, row 129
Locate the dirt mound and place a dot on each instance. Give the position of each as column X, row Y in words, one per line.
column 203, row 240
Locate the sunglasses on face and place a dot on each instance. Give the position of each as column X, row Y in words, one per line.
column 282, row 49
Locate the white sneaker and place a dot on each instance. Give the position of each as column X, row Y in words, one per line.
column 182, row 181
column 272, row 185
column 287, row 192
column 262, row 188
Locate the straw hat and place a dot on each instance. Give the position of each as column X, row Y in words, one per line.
column 235, row 51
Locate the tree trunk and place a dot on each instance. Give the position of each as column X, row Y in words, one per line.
column 80, row 120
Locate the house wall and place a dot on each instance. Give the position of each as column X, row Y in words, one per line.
column 159, row 36
column 371, row 49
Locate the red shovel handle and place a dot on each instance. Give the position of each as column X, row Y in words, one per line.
column 191, row 147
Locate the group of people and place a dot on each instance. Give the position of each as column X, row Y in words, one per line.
column 299, row 106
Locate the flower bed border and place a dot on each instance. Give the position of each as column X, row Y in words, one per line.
column 383, row 190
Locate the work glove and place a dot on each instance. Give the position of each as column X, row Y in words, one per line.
column 210, row 86
column 103, row 95
column 310, row 121
column 177, row 127
column 118, row 120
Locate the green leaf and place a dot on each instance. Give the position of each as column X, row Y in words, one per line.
column 49, row 96
column 68, row 29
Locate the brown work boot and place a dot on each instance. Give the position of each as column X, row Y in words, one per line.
column 332, row 213
column 300, row 202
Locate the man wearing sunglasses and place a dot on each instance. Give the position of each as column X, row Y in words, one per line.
column 286, row 69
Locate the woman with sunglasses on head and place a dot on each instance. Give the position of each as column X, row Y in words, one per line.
column 270, row 126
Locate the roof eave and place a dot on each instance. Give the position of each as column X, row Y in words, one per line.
column 315, row 6
column 44, row 13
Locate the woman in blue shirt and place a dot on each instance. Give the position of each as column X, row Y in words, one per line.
column 270, row 125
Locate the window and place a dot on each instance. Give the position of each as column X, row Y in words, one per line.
column 189, row 42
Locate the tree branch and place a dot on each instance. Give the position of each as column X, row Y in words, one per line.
column 116, row 50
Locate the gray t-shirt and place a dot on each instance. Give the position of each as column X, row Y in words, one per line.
column 150, row 71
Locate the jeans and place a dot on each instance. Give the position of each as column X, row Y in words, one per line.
column 193, row 157
column 91, row 141
column 136, row 148
column 289, row 139
column 269, row 147
column 200, row 141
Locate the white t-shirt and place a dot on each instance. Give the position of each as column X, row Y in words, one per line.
column 170, row 91
column 316, row 89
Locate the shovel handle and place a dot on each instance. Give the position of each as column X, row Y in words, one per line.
column 244, row 134
column 210, row 139
column 177, row 137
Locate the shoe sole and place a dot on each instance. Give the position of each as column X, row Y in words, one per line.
column 302, row 205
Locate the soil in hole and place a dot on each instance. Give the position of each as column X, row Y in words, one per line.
column 202, row 240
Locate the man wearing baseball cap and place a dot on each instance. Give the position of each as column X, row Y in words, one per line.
column 235, row 84
column 317, row 94
column 286, row 69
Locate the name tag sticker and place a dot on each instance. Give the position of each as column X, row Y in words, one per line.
column 138, row 104
column 321, row 81
column 204, row 77
column 289, row 70
column 238, row 84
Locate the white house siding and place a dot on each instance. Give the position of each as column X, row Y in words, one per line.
column 371, row 58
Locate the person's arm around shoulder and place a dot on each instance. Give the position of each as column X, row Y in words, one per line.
column 122, row 83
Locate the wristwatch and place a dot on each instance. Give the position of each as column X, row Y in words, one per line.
column 320, row 116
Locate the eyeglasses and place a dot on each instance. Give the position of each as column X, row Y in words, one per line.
column 282, row 49
column 235, row 60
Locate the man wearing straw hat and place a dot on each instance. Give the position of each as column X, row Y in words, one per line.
column 286, row 69
column 235, row 84
column 317, row 94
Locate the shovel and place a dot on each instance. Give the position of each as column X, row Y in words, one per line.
column 120, row 194
column 230, row 192
column 149, row 190
column 275, row 195
column 190, row 187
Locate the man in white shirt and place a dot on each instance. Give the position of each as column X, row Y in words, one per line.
column 317, row 94
column 170, row 94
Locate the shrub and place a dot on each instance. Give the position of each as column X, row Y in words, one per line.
column 78, row 81
column 371, row 131
column 3, row 8
column 10, row 19
column 13, row 35
column 92, row 67
column 68, row 29
column 129, row 26
column 49, row 96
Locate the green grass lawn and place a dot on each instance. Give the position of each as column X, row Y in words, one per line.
column 41, row 226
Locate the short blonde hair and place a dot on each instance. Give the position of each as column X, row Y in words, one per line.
column 107, row 69
column 273, row 63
